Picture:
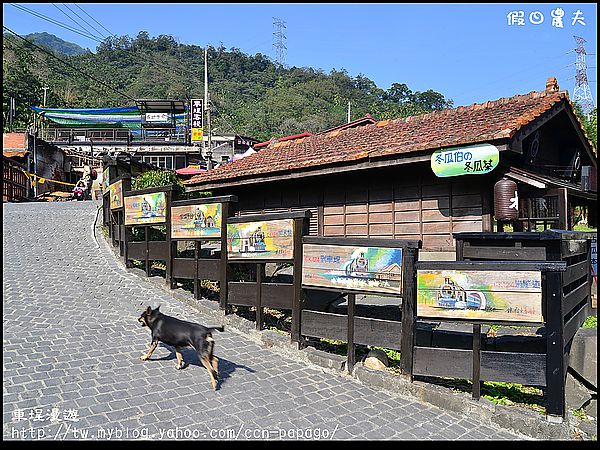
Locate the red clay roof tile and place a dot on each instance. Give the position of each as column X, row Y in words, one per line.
column 498, row 119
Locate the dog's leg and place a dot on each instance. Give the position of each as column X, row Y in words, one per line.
column 215, row 364
column 180, row 362
column 150, row 351
column 213, row 376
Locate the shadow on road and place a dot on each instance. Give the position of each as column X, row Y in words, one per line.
column 190, row 357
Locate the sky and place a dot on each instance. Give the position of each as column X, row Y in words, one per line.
column 469, row 52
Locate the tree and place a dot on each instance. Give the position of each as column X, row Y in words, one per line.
column 590, row 124
column 252, row 95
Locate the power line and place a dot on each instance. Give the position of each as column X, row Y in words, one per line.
column 86, row 22
column 180, row 71
column 114, row 35
column 70, row 65
column 70, row 18
column 527, row 69
column 60, row 24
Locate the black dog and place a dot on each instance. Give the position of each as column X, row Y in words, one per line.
column 179, row 333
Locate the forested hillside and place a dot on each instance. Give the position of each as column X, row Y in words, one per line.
column 250, row 95
column 56, row 43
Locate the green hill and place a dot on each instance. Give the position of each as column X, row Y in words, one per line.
column 57, row 44
column 251, row 95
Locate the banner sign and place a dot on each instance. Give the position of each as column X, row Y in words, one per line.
column 196, row 221
column 116, row 194
column 272, row 239
column 365, row 269
column 196, row 115
column 158, row 117
column 145, row 209
column 480, row 295
column 471, row 160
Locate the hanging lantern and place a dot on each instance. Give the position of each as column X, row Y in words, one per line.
column 506, row 200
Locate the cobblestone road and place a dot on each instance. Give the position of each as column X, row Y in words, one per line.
column 72, row 369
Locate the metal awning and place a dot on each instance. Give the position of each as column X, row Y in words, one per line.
column 546, row 182
column 154, row 105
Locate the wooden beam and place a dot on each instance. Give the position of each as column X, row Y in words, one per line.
column 563, row 209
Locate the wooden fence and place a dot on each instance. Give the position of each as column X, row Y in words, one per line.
column 550, row 271
column 200, row 221
column 261, row 239
column 328, row 266
column 14, row 182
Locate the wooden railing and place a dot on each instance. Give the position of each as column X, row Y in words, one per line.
column 14, row 181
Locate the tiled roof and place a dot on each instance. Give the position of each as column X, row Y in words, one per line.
column 367, row 119
column 491, row 120
column 13, row 141
column 285, row 138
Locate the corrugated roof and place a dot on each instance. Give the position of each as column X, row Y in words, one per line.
column 464, row 125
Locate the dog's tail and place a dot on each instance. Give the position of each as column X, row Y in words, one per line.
column 221, row 328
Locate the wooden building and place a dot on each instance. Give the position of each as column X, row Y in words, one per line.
column 377, row 180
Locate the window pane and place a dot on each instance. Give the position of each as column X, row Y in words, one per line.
column 179, row 162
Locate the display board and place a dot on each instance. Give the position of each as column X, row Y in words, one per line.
column 365, row 269
column 480, row 295
column 272, row 239
column 145, row 209
column 196, row 221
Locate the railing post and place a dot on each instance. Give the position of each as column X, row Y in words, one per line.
column 260, row 274
column 476, row 361
column 300, row 229
column 409, row 311
column 555, row 364
column 146, row 229
column 197, row 252
column 351, row 358
column 224, row 274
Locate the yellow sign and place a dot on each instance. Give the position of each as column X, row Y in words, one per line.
column 196, row 134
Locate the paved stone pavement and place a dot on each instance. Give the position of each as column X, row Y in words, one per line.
column 72, row 368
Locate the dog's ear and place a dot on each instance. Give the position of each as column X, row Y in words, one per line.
column 157, row 309
column 148, row 310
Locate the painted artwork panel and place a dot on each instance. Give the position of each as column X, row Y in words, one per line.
column 105, row 181
column 273, row 239
column 368, row 269
column 145, row 209
column 116, row 194
column 480, row 295
column 196, row 221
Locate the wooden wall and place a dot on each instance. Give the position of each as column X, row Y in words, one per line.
column 399, row 203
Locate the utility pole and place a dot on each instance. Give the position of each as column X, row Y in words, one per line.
column 348, row 111
column 11, row 113
column 45, row 88
column 209, row 150
column 208, row 145
column 35, row 166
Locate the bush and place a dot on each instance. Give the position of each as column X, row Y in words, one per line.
column 157, row 178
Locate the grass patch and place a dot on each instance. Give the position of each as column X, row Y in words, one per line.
column 590, row 322
column 509, row 394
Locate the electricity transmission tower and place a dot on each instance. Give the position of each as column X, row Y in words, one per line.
column 280, row 48
column 582, row 93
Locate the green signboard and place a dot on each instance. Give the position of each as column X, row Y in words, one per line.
column 471, row 160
